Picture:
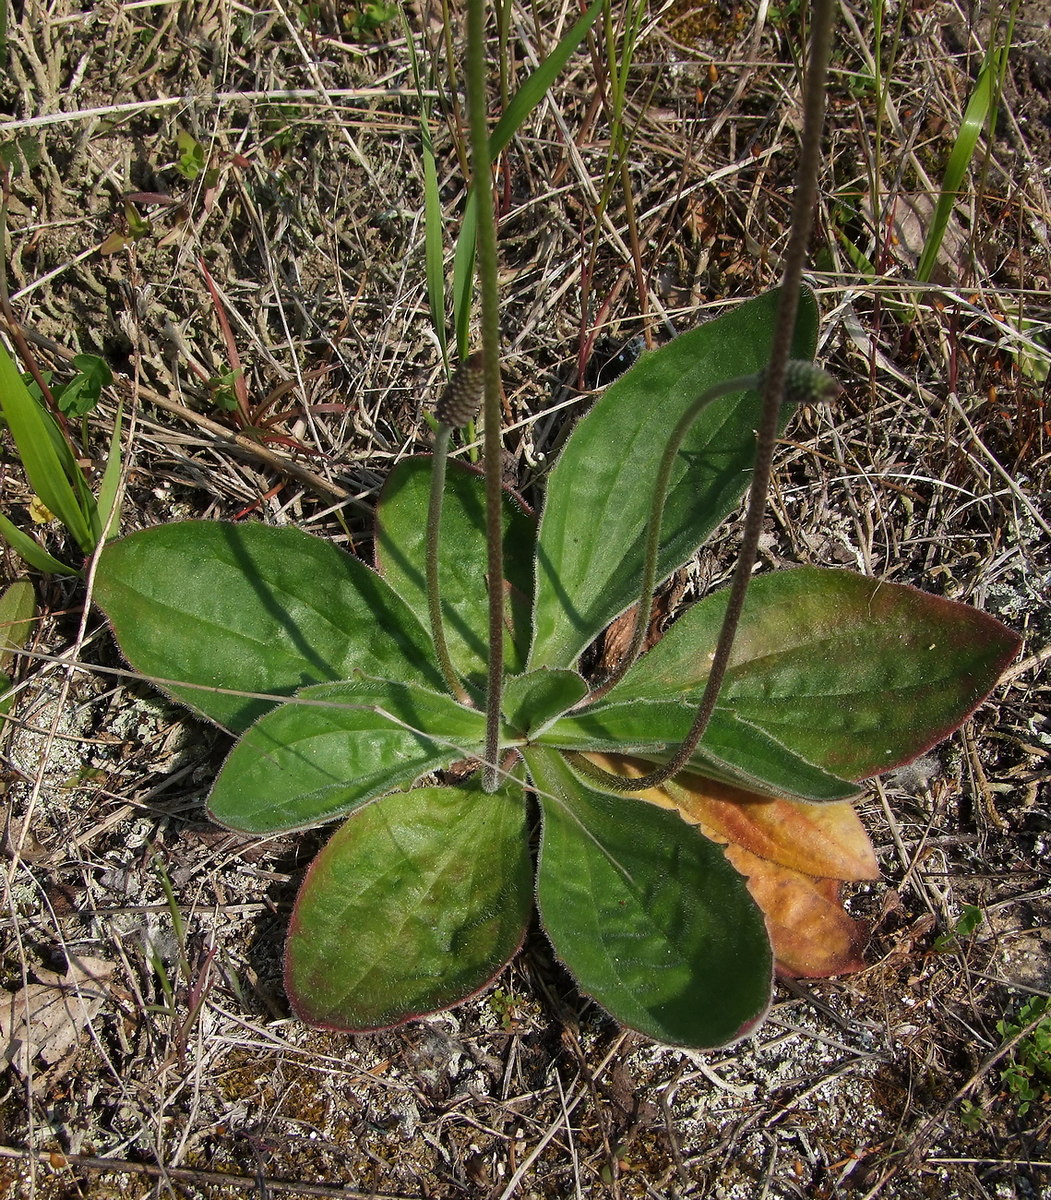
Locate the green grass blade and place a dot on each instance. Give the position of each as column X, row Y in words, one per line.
column 535, row 87
column 522, row 104
column 49, row 471
column 30, row 550
column 109, row 489
column 463, row 275
column 434, row 239
column 977, row 113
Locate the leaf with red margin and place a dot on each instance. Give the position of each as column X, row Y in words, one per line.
column 416, row 903
column 855, row 675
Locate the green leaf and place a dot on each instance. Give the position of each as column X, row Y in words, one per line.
column 401, row 546
column 434, row 240
column 647, row 914
column 534, row 89
column 255, row 609
column 191, row 160
column 854, row 675
column 83, row 392
column 531, row 702
column 31, row 550
column 51, row 469
column 108, row 502
column 981, row 106
column 592, row 533
column 335, row 747
column 731, row 751
column 417, row 902
column 17, row 614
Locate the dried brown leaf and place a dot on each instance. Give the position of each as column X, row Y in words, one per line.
column 46, row 1019
column 826, row 840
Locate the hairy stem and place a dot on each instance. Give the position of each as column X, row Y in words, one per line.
column 773, row 391
column 481, row 181
column 434, row 597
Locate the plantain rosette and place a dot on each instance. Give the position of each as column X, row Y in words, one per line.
column 670, row 907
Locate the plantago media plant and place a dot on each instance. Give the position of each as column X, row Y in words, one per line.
column 680, row 821
column 668, row 905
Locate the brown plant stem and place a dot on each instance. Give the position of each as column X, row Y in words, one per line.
column 481, row 181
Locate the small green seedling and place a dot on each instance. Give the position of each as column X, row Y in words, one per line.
column 223, row 389
column 368, row 18
column 192, row 157
column 82, row 393
column 1028, row 1075
column 966, row 923
column 972, row 1116
column 52, row 468
column 669, row 905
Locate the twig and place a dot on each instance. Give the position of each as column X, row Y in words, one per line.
column 193, row 1175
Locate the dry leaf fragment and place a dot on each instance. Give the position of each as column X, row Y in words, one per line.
column 812, row 934
column 46, row 1019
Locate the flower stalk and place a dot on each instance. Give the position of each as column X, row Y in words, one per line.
column 481, row 182
column 773, row 381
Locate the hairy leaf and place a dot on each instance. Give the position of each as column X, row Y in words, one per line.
column 855, row 675
column 417, row 902
column 592, row 532
column 732, row 750
column 533, row 701
column 646, row 914
column 252, row 608
column 335, row 747
column 401, row 550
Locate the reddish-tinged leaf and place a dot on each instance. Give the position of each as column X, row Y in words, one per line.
column 415, row 904
column 853, row 674
column 812, row 934
column 817, row 839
